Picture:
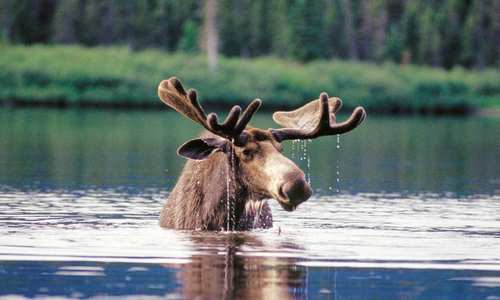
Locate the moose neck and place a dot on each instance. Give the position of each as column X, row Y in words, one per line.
column 208, row 195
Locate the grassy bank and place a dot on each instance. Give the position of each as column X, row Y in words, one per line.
column 71, row 75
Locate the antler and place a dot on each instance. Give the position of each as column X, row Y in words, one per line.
column 315, row 119
column 173, row 94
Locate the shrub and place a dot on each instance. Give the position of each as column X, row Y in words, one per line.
column 118, row 76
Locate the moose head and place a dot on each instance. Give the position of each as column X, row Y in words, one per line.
column 255, row 155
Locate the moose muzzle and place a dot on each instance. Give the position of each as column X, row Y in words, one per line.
column 294, row 192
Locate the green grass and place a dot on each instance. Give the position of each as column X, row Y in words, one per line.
column 117, row 76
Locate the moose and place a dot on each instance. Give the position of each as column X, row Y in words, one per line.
column 233, row 167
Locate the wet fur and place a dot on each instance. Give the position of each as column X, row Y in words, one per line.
column 199, row 199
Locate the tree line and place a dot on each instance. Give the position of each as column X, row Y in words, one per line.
column 443, row 33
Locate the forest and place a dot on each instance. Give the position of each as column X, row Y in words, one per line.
column 444, row 33
column 387, row 55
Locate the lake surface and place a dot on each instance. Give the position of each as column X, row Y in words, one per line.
column 403, row 208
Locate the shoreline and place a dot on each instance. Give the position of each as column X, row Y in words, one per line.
column 116, row 78
column 267, row 107
column 488, row 112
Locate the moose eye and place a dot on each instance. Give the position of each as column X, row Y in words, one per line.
column 247, row 153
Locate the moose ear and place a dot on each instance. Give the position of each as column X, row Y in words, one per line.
column 200, row 149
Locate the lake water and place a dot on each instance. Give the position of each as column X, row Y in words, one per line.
column 414, row 214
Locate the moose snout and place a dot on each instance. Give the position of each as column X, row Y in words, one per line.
column 295, row 191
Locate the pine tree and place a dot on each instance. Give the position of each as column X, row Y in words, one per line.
column 439, row 33
column 410, row 31
column 65, row 23
column 307, row 30
column 470, row 37
column 280, row 28
column 260, row 37
column 189, row 39
column 350, row 30
column 314, row 41
column 7, row 15
column 374, row 19
column 429, row 38
column 393, row 47
column 450, row 27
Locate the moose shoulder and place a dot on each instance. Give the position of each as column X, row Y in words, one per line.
column 233, row 167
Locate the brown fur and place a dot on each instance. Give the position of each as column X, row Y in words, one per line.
column 199, row 199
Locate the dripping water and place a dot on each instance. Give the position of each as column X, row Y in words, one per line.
column 306, row 157
column 338, row 164
column 300, row 150
column 308, row 161
column 228, row 202
column 256, row 217
column 233, row 204
column 197, row 171
column 229, row 205
column 337, row 167
column 303, row 150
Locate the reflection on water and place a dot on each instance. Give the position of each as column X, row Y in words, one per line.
column 222, row 274
column 213, row 277
column 415, row 246
column 50, row 148
column 123, row 225
column 416, row 216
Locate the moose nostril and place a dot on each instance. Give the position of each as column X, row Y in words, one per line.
column 296, row 191
column 281, row 192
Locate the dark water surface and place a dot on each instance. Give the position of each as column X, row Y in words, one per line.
column 414, row 214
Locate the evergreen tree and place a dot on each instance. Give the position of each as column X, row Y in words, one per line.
column 393, row 48
column 260, row 37
column 65, row 23
column 189, row 39
column 439, row 33
column 429, row 38
column 471, row 41
column 373, row 26
column 350, row 30
column 307, row 30
column 410, row 31
column 280, row 28
column 314, row 20
column 27, row 21
column 335, row 22
column 235, row 27
column 8, row 11
column 451, row 19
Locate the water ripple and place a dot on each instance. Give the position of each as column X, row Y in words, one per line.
column 116, row 225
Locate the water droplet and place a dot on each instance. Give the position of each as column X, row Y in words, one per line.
column 337, row 172
column 308, row 163
column 230, row 218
